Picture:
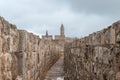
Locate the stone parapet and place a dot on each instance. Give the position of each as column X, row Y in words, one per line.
column 95, row 57
column 24, row 55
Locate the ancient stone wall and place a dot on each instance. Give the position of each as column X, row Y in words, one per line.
column 23, row 55
column 95, row 57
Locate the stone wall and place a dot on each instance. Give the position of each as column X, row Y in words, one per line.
column 23, row 55
column 48, row 37
column 95, row 57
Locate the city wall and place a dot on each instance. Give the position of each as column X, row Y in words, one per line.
column 94, row 57
column 23, row 55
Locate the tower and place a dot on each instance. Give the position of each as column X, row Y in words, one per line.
column 46, row 33
column 62, row 30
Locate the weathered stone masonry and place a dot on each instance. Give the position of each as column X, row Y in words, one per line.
column 23, row 55
column 96, row 57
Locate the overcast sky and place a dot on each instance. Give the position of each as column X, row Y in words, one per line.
column 80, row 17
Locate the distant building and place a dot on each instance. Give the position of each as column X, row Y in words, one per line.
column 47, row 36
column 59, row 39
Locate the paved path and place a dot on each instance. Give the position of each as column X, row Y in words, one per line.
column 56, row 72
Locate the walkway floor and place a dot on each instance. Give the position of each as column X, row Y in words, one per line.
column 56, row 72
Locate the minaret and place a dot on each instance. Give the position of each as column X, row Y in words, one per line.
column 62, row 30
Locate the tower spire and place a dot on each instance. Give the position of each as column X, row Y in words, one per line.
column 46, row 33
column 62, row 30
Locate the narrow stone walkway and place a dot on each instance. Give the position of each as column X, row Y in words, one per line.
column 56, row 72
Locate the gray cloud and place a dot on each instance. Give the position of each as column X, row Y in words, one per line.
column 80, row 17
column 107, row 7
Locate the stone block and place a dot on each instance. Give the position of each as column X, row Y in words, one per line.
column 22, row 40
column 102, row 37
column 98, row 38
column 107, row 36
column 112, row 35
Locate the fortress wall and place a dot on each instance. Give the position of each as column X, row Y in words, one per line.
column 24, row 55
column 49, row 37
column 95, row 57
